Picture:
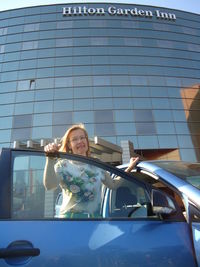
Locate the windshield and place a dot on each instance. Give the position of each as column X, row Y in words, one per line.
column 189, row 172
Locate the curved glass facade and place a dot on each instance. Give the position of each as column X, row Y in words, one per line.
column 128, row 72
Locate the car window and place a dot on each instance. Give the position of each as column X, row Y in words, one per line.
column 190, row 172
column 87, row 189
column 129, row 200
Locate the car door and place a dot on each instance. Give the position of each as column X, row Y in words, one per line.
column 126, row 232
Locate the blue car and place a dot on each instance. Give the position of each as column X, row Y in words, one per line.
column 150, row 219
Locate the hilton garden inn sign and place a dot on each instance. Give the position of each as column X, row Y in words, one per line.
column 116, row 11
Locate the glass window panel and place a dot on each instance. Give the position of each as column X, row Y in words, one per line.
column 162, row 103
column 104, row 129
column 58, row 131
column 31, row 27
column 45, row 62
column 123, row 115
column 24, row 96
column 21, row 134
column 28, row 64
column 66, row 51
column 24, row 108
column 44, row 94
column 45, row 83
column 42, row 132
column 63, row 105
column 64, row 24
column 64, row 93
column 63, row 71
column 188, row 155
column 84, row 116
column 120, row 80
column 45, row 72
column 182, row 128
column 102, row 116
column 102, row 91
column 162, row 115
column 11, row 56
column 176, row 103
column 63, row 61
column 140, row 103
column 83, row 104
column 7, row 98
column 143, row 115
column 46, row 43
column 140, row 92
column 82, row 81
column 125, row 129
column 122, row 91
column 64, row 42
column 146, row 128
column 167, row 141
column 13, row 47
column 101, row 80
column 179, row 115
column 6, row 110
column 45, row 52
column 43, row 106
column 98, row 40
column 5, row 136
column 5, row 122
column 103, row 103
column 158, row 92
column 21, row 121
column 82, row 70
column 28, row 54
column 165, row 128
column 8, row 76
column 10, row 66
column 30, row 45
column 24, row 74
column 42, row 119
column 60, row 118
column 122, row 103
column 24, row 85
column 138, row 80
column 83, row 92
column 185, row 141
column 147, row 142
column 64, row 82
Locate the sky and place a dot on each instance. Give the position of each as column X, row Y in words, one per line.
column 185, row 5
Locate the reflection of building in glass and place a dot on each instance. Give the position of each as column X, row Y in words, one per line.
column 191, row 103
column 120, row 69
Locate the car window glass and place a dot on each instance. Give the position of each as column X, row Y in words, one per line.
column 84, row 189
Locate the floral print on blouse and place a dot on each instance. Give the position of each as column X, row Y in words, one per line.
column 81, row 184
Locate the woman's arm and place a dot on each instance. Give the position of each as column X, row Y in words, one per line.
column 113, row 184
column 50, row 179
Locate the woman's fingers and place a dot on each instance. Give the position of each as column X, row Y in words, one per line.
column 52, row 147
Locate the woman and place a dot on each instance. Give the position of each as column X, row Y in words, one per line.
column 80, row 183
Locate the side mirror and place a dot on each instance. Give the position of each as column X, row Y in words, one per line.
column 162, row 203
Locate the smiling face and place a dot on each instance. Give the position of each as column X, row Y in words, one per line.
column 78, row 142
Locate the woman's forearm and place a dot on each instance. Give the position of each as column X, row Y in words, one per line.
column 50, row 179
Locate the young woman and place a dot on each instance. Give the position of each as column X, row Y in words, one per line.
column 81, row 183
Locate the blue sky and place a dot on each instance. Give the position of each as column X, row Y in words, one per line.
column 186, row 5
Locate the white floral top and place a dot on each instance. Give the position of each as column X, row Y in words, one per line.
column 81, row 185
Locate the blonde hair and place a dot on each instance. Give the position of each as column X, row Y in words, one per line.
column 65, row 139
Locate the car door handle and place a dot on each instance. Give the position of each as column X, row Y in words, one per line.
column 25, row 252
column 20, row 248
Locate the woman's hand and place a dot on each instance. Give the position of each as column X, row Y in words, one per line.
column 132, row 164
column 52, row 148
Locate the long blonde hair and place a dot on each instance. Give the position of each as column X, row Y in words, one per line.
column 65, row 139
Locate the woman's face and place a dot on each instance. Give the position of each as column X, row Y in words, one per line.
column 78, row 142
